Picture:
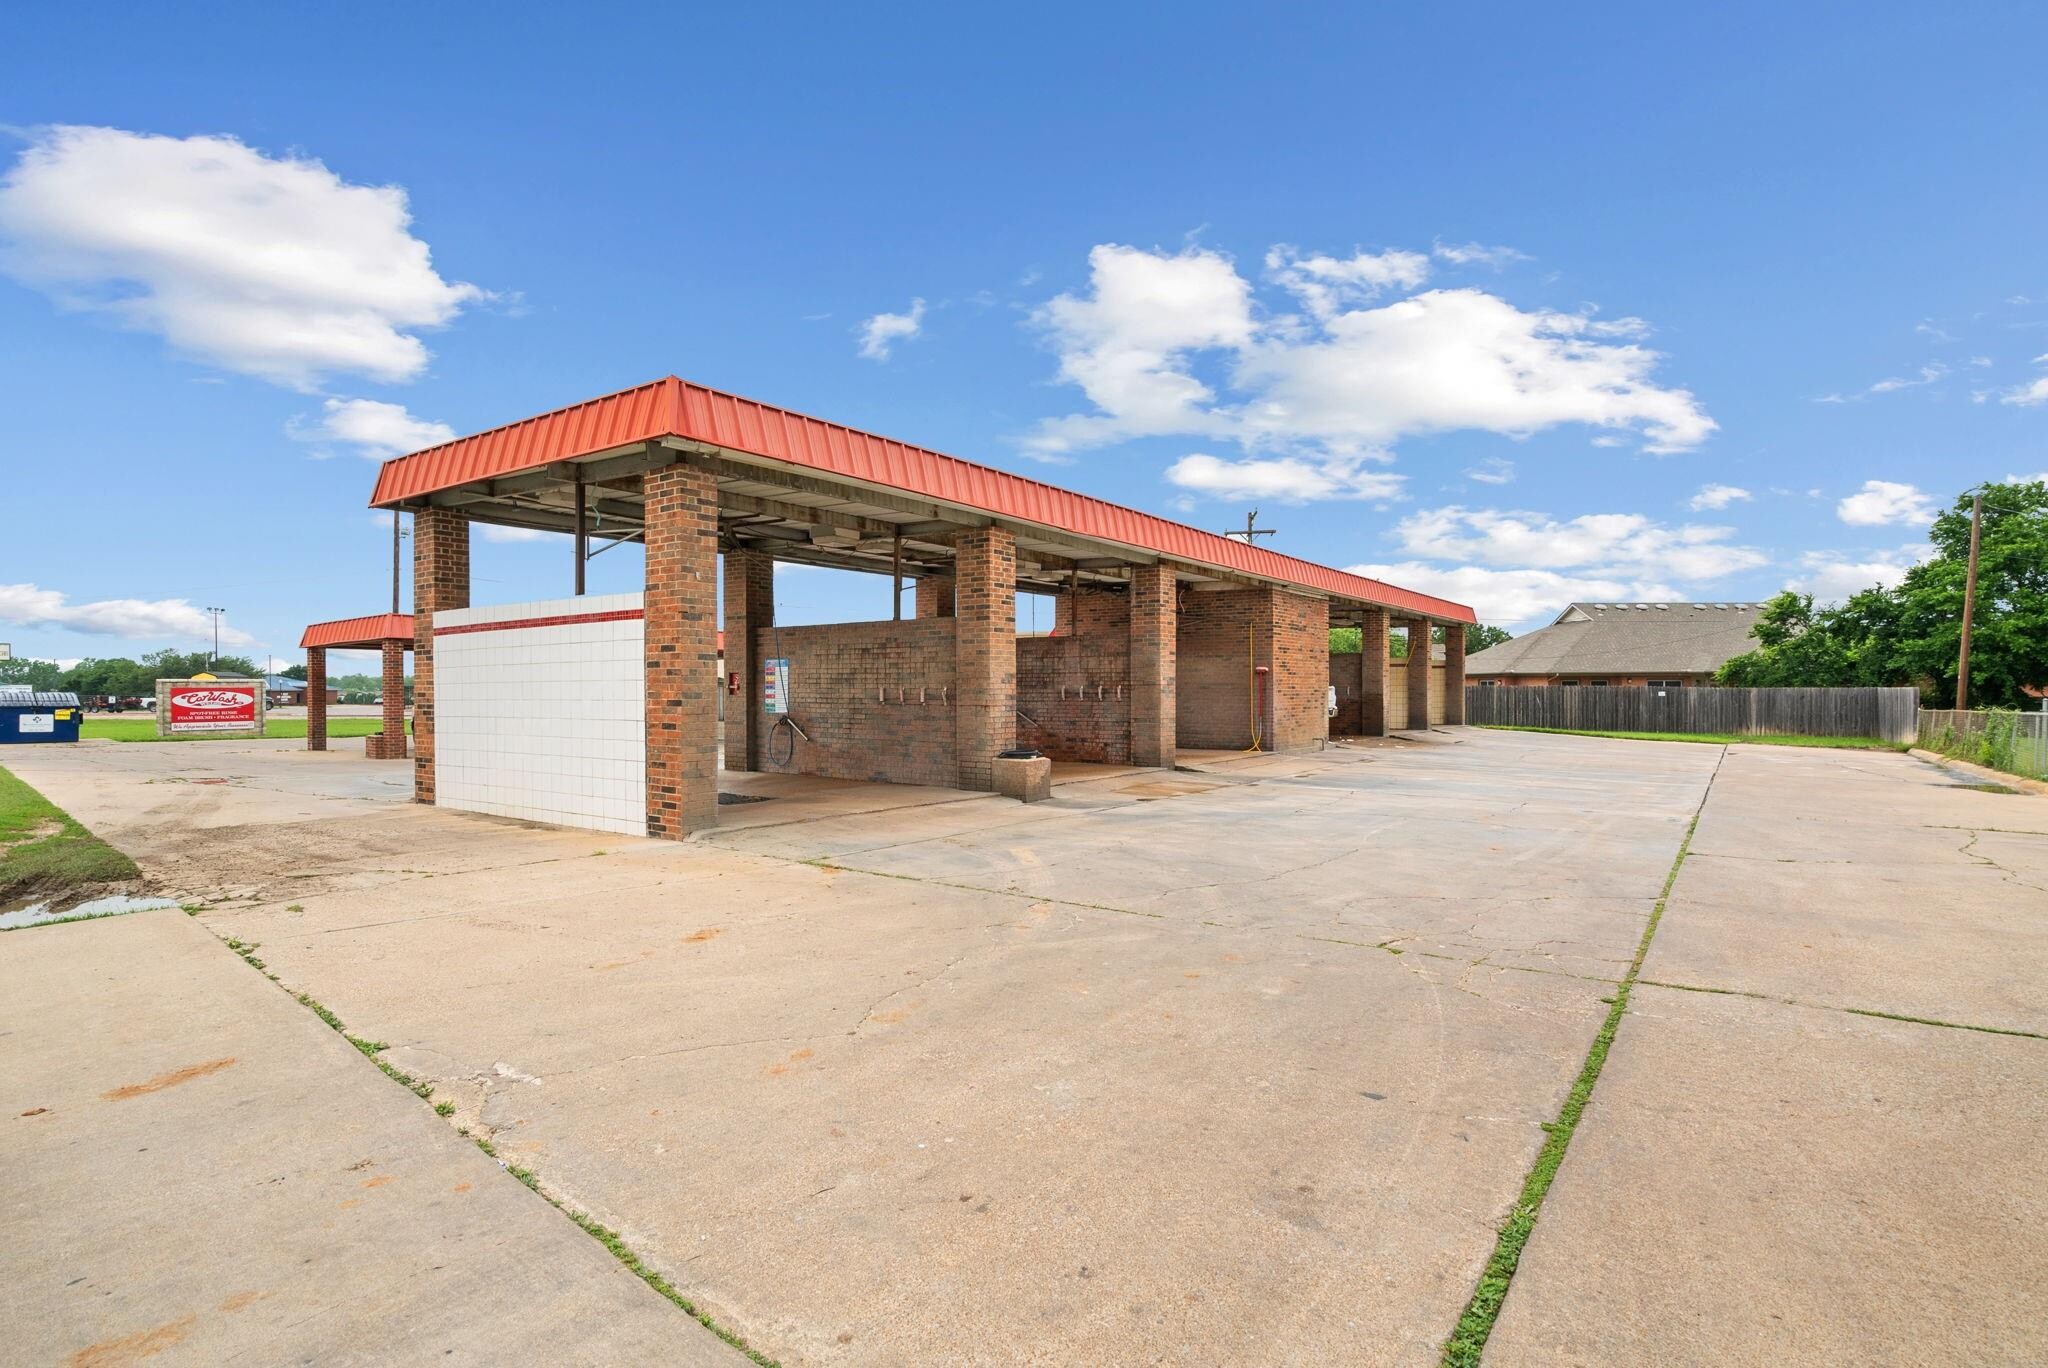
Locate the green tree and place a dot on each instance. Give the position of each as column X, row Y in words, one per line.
column 110, row 676
column 297, row 672
column 37, row 674
column 1910, row 634
column 170, row 664
column 1480, row 635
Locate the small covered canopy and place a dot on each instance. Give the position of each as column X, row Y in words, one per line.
column 390, row 633
column 358, row 633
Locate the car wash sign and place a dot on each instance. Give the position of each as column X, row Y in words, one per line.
column 209, row 707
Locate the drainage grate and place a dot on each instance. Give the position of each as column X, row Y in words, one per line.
column 728, row 799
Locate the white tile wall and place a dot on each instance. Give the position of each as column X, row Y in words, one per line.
column 545, row 723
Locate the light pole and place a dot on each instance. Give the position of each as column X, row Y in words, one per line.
column 216, row 612
column 1969, row 602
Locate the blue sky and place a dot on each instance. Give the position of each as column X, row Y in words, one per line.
column 1512, row 306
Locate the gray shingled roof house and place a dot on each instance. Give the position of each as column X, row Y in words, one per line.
column 1622, row 643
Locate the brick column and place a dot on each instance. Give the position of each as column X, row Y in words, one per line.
column 682, row 651
column 1372, row 674
column 1155, row 627
column 749, row 606
column 1454, row 675
column 985, row 603
column 1418, row 674
column 440, row 580
column 935, row 596
column 390, row 744
column 316, row 698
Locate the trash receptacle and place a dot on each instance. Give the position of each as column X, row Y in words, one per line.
column 27, row 716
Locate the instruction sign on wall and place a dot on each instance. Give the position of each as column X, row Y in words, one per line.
column 775, row 684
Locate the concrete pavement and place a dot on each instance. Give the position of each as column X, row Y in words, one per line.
column 1238, row 1066
column 200, row 1172
column 1780, row 1178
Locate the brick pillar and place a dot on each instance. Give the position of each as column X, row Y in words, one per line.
column 682, row 651
column 390, row 743
column 749, row 606
column 1418, row 674
column 440, row 580
column 1454, row 676
column 1372, row 674
column 316, row 698
column 935, row 596
column 1155, row 627
column 985, row 603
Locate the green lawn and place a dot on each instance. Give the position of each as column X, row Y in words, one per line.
column 1722, row 739
column 277, row 728
column 43, row 852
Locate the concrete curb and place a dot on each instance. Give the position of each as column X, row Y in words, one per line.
column 2011, row 781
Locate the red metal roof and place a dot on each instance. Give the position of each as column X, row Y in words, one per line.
column 676, row 408
column 359, row 633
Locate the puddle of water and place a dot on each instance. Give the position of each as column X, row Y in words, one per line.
column 35, row 914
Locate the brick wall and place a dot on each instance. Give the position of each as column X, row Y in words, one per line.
column 1221, row 636
column 440, row 581
column 844, row 682
column 1154, row 663
column 1344, row 678
column 985, row 655
column 1076, row 686
column 682, row 651
column 749, row 605
column 934, row 596
column 1301, row 671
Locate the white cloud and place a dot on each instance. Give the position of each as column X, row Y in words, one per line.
column 1478, row 254
column 1832, row 576
column 377, row 430
column 1610, row 545
column 2038, row 477
column 1881, row 501
column 494, row 532
column 1891, row 384
column 1514, row 598
column 880, row 332
column 1341, row 386
column 1324, row 284
column 1493, row 471
column 2028, row 395
column 1717, row 496
column 27, row 605
column 270, row 266
column 1287, row 478
column 1126, row 344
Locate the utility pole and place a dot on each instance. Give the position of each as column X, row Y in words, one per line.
column 216, row 612
column 1250, row 529
column 395, row 535
column 1969, row 604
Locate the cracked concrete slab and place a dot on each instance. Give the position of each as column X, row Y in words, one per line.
column 201, row 1172
column 1759, row 1184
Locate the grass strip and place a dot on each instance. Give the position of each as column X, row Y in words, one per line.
column 585, row 1222
column 274, row 729
column 1468, row 1338
column 1721, row 738
column 44, row 852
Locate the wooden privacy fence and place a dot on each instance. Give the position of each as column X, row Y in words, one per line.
column 2014, row 742
column 1887, row 714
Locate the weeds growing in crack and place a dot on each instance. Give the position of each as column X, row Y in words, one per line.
column 618, row 1248
column 1468, row 1339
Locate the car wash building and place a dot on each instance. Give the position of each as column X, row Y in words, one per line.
column 605, row 711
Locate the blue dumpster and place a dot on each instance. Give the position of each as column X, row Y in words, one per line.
column 27, row 716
